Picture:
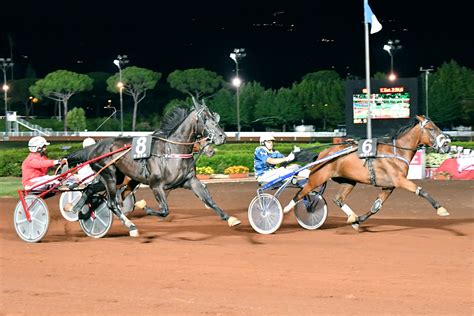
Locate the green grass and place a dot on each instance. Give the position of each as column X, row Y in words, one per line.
column 9, row 186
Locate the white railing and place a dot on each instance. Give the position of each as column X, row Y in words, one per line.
column 33, row 127
column 244, row 136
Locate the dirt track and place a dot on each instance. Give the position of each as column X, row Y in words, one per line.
column 405, row 260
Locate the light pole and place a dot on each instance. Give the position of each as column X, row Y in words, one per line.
column 119, row 62
column 391, row 47
column 5, row 63
column 108, row 106
column 427, row 72
column 237, row 82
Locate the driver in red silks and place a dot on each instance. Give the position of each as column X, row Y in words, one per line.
column 35, row 167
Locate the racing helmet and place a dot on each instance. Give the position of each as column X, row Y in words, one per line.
column 264, row 138
column 88, row 142
column 36, row 144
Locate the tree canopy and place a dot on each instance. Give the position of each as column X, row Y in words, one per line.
column 196, row 82
column 451, row 95
column 136, row 82
column 60, row 86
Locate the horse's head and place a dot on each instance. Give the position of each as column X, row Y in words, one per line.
column 208, row 124
column 432, row 136
column 204, row 147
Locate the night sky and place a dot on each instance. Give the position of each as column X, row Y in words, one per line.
column 284, row 40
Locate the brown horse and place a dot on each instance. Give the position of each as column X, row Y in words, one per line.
column 203, row 147
column 388, row 169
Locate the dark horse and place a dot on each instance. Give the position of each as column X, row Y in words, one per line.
column 387, row 170
column 170, row 166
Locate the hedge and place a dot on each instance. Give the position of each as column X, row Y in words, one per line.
column 226, row 155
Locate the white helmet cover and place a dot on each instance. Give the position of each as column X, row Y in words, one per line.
column 266, row 137
column 36, row 144
column 88, row 142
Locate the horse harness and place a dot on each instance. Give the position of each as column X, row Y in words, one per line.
column 168, row 155
column 370, row 166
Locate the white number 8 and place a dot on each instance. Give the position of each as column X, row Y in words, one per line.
column 141, row 145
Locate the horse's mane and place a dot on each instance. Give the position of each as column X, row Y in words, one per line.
column 404, row 129
column 172, row 120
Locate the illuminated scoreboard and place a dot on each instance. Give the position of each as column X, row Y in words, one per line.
column 387, row 103
column 392, row 104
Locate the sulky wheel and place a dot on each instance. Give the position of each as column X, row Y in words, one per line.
column 99, row 219
column 128, row 204
column 35, row 229
column 312, row 211
column 265, row 213
column 71, row 198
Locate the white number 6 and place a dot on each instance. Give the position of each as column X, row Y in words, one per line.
column 367, row 146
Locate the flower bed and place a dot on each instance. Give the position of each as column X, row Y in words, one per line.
column 237, row 171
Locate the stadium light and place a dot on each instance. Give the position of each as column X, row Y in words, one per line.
column 119, row 62
column 5, row 63
column 236, row 55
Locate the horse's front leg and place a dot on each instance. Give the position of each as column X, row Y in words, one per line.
column 201, row 191
column 412, row 187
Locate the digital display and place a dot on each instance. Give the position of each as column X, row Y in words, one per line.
column 392, row 105
column 389, row 104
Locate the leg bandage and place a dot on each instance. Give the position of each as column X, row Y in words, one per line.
column 346, row 209
column 289, row 206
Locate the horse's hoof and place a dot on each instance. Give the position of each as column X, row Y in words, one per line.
column 140, row 204
column 352, row 219
column 355, row 226
column 134, row 233
column 442, row 211
column 233, row 221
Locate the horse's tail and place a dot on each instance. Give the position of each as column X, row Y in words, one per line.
column 79, row 156
column 306, row 156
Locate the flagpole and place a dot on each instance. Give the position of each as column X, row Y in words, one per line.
column 367, row 80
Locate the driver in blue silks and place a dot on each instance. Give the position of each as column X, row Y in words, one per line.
column 266, row 160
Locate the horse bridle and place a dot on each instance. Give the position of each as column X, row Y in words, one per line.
column 210, row 135
column 439, row 140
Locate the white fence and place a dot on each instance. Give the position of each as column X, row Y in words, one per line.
column 244, row 136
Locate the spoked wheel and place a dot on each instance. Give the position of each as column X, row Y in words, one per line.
column 128, row 204
column 312, row 211
column 265, row 214
column 35, row 229
column 70, row 198
column 99, row 219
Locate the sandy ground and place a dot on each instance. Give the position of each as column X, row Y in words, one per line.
column 405, row 260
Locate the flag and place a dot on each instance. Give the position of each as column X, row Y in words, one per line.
column 370, row 17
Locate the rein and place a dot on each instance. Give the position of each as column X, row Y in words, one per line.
column 326, row 145
column 399, row 147
column 175, row 156
column 109, row 163
column 179, row 156
column 178, row 143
